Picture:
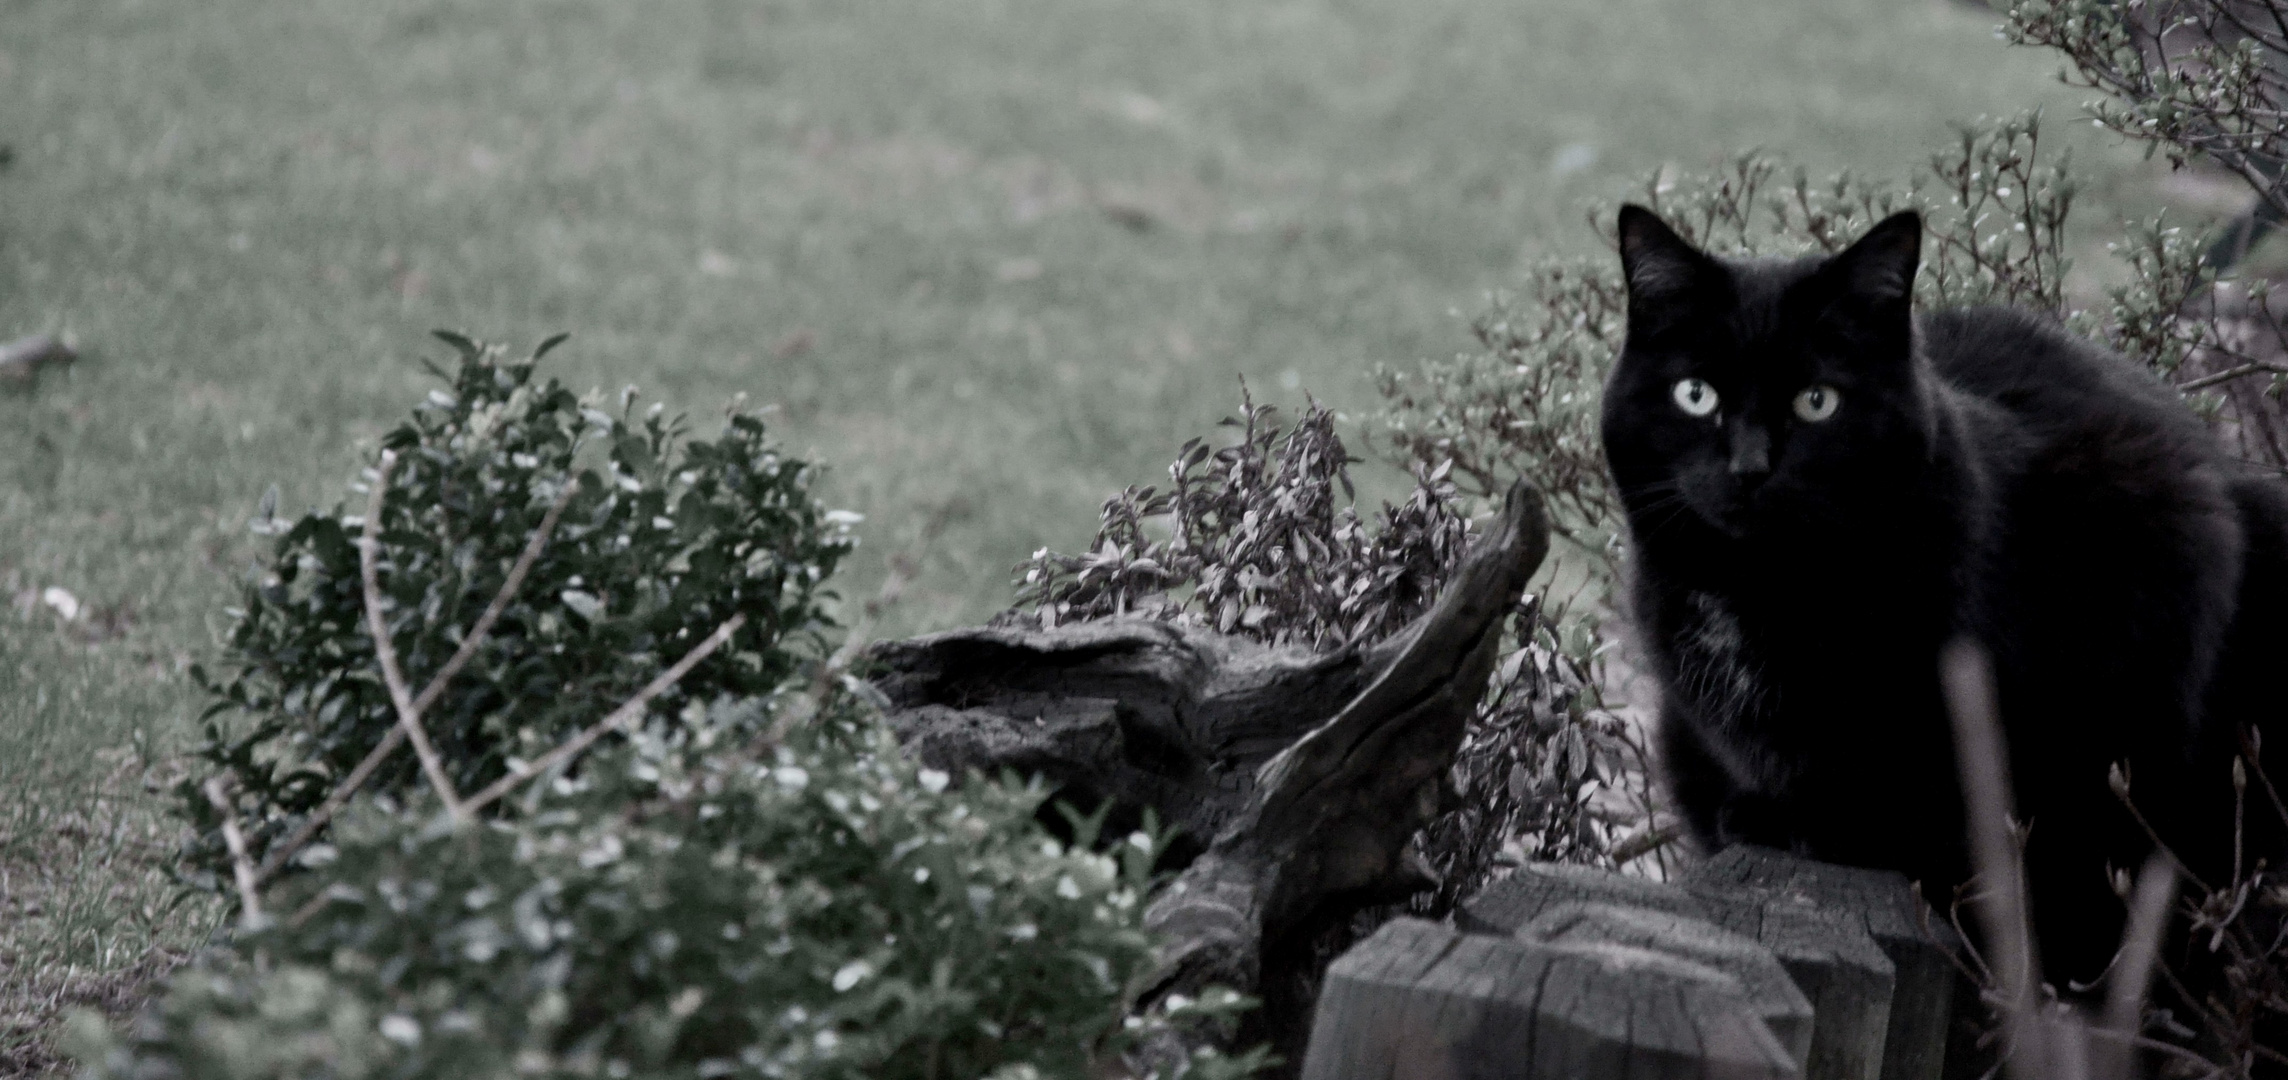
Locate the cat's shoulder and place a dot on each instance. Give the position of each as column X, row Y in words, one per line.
column 2031, row 365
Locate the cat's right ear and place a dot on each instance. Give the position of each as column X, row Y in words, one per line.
column 1660, row 266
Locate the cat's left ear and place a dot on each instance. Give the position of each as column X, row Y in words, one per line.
column 1880, row 268
column 1661, row 267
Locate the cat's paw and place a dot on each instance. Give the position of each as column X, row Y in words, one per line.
column 1756, row 819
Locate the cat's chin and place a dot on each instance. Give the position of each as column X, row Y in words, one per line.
column 1733, row 526
column 1729, row 522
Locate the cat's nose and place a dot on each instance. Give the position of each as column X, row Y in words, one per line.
column 1751, row 452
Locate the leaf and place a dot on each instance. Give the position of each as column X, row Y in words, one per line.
column 467, row 346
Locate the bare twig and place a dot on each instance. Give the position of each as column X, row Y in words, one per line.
column 1651, row 839
column 340, row 796
column 408, row 715
column 2229, row 374
column 2036, row 1051
column 2132, row 974
column 311, row 907
column 508, row 590
column 483, row 627
column 2252, row 748
column 1982, row 758
column 2135, row 1041
column 626, row 713
column 242, row 865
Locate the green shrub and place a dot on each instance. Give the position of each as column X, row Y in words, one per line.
column 1258, row 544
column 750, row 881
column 663, row 540
column 820, row 909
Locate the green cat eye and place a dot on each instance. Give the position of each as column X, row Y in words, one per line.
column 1817, row 403
column 1694, row 396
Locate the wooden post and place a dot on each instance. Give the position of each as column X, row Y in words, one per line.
column 1747, row 921
column 1837, row 966
column 1419, row 1001
column 1765, row 986
column 1886, row 907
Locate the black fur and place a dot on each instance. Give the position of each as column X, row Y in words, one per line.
column 1985, row 474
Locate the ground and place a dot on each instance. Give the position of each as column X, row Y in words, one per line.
column 994, row 259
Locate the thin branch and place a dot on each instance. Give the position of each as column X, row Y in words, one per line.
column 408, row 715
column 1980, row 754
column 2132, row 976
column 340, row 796
column 311, row 907
column 2229, row 374
column 1652, row 839
column 429, row 694
column 626, row 713
column 508, row 590
column 2251, row 744
column 241, row 865
column 2142, row 1042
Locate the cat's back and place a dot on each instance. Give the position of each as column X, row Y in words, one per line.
column 2052, row 382
column 2117, row 541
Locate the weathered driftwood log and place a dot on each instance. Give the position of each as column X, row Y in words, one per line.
column 1849, row 940
column 1300, row 777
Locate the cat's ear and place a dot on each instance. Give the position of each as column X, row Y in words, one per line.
column 1660, row 266
column 1880, row 267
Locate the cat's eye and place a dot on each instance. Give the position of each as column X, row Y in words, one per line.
column 1694, row 396
column 1817, row 403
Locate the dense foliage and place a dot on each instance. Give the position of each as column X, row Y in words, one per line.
column 662, row 540
column 2202, row 83
column 749, row 880
column 820, row 909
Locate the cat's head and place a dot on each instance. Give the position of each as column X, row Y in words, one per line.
column 1761, row 398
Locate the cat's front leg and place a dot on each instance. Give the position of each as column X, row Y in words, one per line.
column 1752, row 817
column 1698, row 784
column 1717, row 809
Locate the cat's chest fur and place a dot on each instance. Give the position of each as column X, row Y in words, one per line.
column 1777, row 690
column 1724, row 686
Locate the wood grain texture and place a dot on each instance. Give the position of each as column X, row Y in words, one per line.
column 1827, row 952
column 1419, row 1001
column 1765, row 985
column 1892, row 915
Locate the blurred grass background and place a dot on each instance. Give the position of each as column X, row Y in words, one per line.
column 994, row 259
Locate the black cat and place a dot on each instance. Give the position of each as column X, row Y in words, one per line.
column 1823, row 487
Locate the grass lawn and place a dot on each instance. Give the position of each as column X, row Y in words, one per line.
column 994, row 258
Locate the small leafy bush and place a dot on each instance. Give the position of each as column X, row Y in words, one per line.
column 662, row 540
column 2199, row 81
column 820, row 909
column 1258, row 544
column 749, row 881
